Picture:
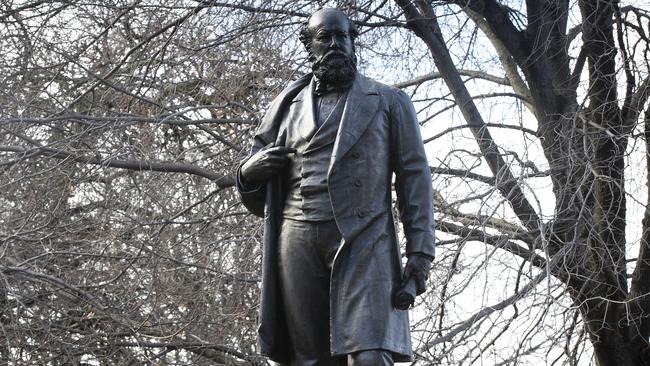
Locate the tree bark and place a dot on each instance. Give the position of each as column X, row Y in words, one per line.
column 585, row 148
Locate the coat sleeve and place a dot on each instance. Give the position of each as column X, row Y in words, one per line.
column 253, row 197
column 412, row 177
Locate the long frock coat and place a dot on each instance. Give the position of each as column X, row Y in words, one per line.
column 378, row 135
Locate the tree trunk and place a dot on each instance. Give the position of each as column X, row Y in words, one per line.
column 585, row 148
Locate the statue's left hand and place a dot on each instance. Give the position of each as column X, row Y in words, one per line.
column 418, row 266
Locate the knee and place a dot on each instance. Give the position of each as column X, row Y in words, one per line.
column 374, row 357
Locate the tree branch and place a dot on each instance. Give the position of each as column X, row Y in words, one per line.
column 436, row 75
column 497, row 125
column 128, row 54
column 498, row 241
column 640, row 286
column 486, row 311
column 635, row 104
column 222, row 181
column 122, row 120
column 498, row 17
column 214, row 352
column 509, row 65
column 80, row 294
column 422, row 20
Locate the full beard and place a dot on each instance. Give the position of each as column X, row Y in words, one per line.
column 335, row 68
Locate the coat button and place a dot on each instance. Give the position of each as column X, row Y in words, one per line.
column 356, row 155
column 360, row 212
column 358, row 182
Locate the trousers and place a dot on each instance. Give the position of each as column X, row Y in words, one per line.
column 306, row 251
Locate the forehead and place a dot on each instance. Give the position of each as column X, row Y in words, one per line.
column 329, row 20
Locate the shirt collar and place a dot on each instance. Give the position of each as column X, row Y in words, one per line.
column 320, row 88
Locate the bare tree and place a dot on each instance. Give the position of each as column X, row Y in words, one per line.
column 584, row 129
column 122, row 242
column 121, row 124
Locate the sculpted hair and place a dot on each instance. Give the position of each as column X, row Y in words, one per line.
column 305, row 34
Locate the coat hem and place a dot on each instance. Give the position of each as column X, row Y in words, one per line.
column 399, row 355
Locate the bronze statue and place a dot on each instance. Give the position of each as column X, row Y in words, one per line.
column 320, row 174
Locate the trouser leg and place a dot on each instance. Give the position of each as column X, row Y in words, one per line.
column 373, row 357
column 306, row 253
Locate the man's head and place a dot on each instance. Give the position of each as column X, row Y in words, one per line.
column 329, row 36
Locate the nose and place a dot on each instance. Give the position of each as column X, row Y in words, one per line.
column 334, row 43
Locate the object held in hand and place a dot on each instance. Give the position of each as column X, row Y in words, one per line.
column 405, row 296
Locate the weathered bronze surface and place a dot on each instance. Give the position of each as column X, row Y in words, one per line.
column 320, row 174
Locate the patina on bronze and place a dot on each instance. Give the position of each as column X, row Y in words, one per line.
column 320, row 174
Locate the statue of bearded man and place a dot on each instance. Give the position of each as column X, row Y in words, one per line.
column 320, row 173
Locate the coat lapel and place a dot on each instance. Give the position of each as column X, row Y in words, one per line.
column 273, row 119
column 305, row 112
column 360, row 108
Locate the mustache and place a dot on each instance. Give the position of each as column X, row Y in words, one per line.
column 332, row 54
column 334, row 58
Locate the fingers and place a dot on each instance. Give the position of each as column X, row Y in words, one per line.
column 280, row 150
column 420, row 284
column 273, row 155
column 274, row 162
column 409, row 271
column 266, row 163
column 417, row 268
column 420, row 280
column 277, row 156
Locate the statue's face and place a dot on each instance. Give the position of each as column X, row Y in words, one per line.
column 330, row 31
column 332, row 47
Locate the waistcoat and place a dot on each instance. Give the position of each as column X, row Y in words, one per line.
column 307, row 195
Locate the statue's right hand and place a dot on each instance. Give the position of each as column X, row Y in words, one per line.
column 266, row 163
